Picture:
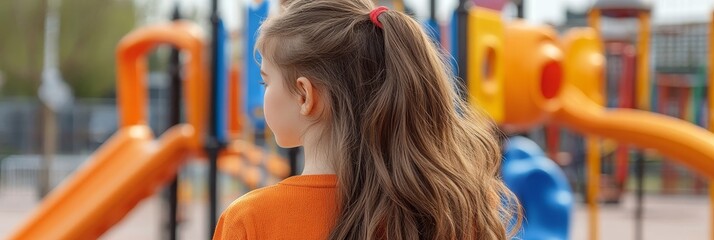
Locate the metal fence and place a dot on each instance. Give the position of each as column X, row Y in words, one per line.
column 19, row 174
column 81, row 130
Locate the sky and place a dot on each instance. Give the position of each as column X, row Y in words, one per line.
column 553, row 11
column 536, row 11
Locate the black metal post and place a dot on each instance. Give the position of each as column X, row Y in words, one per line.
column 213, row 145
column 432, row 9
column 639, row 210
column 462, row 22
column 519, row 8
column 174, row 112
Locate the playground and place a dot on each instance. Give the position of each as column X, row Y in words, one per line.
column 606, row 106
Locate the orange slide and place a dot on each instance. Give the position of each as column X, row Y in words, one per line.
column 131, row 165
column 126, row 169
column 680, row 140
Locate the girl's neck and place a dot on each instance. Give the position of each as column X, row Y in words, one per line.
column 316, row 163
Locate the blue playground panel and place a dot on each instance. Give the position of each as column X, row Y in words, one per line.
column 454, row 42
column 541, row 188
column 254, row 90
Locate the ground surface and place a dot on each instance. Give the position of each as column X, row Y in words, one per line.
column 666, row 217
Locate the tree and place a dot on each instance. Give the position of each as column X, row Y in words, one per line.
column 21, row 24
column 89, row 33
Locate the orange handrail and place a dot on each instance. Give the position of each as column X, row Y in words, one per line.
column 131, row 70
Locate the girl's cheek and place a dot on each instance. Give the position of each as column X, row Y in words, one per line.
column 279, row 117
column 267, row 107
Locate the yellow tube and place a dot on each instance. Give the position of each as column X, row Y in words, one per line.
column 643, row 62
column 594, row 20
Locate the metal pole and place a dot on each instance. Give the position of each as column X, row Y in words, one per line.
column 213, row 145
column 594, row 167
column 594, row 160
column 213, row 187
column 462, row 15
column 520, row 13
column 50, row 70
column 639, row 210
column 643, row 103
column 173, row 119
column 49, row 149
column 432, row 9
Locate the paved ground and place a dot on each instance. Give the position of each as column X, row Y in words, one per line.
column 666, row 217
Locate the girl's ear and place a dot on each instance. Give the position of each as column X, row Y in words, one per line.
column 307, row 98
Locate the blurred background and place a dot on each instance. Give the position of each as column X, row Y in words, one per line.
column 58, row 99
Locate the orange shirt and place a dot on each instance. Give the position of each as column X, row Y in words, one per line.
column 299, row 207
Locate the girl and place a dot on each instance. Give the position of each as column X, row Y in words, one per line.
column 391, row 151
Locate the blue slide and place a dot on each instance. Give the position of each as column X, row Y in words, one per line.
column 542, row 189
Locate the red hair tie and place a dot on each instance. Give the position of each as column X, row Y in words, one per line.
column 374, row 15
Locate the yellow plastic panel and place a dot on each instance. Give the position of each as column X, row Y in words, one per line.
column 486, row 61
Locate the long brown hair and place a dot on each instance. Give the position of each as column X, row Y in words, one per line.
column 413, row 160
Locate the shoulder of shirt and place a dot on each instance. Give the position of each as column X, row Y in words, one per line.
column 246, row 205
column 247, row 209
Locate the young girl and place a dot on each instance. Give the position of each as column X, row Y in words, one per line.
column 391, row 151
